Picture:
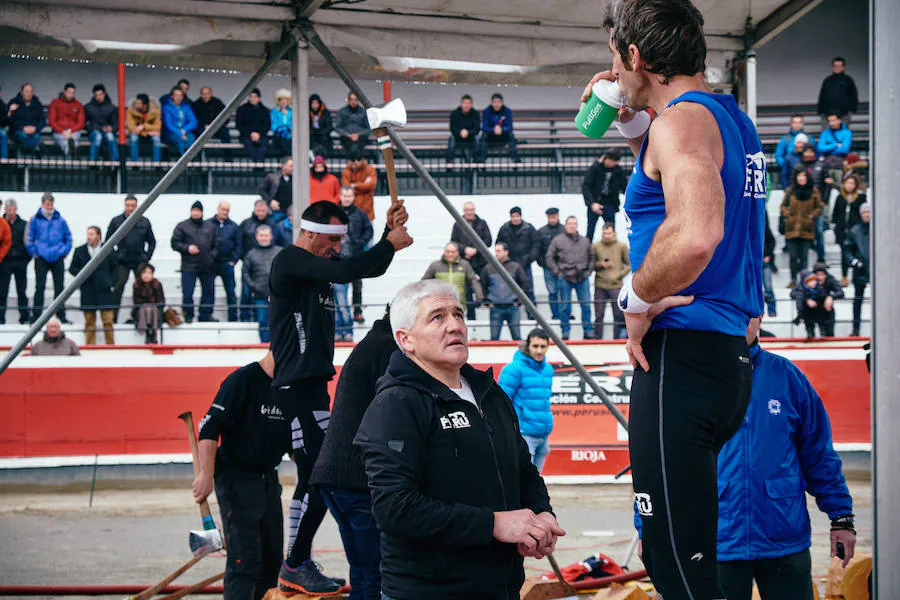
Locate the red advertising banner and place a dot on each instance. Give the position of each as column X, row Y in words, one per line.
column 125, row 404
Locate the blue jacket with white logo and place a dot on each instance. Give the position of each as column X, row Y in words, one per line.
column 782, row 450
column 529, row 384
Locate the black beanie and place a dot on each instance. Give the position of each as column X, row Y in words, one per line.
column 197, row 204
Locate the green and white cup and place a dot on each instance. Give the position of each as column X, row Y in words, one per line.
column 601, row 109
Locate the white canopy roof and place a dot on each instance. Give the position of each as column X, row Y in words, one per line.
column 552, row 41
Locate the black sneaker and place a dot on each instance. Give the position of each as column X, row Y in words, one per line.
column 306, row 579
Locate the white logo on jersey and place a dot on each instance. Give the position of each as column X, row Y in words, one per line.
column 644, row 505
column 755, row 180
column 774, row 407
column 301, row 332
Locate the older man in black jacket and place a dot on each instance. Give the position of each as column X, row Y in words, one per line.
column 198, row 243
column 453, row 489
column 604, row 183
column 135, row 249
column 468, row 251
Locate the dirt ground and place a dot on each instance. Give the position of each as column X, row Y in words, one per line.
column 138, row 536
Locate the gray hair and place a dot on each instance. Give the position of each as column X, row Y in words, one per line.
column 53, row 320
column 11, row 202
column 264, row 229
column 405, row 305
column 261, row 201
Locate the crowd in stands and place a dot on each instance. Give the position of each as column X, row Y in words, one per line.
column 176, row 120
column 811, row 171
column 569, row 260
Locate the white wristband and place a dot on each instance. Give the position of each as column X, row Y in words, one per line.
column 636, row 127
column 629, row 302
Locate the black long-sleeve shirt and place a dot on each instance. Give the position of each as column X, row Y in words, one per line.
column 246, row 416
column 301, row 307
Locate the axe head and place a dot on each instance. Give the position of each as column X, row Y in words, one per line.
column 392, row 113
column 204, row 542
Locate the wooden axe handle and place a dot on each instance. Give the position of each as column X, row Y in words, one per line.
column 188, row 418
column 388, row 152
column 194, row 588
column 153, row 590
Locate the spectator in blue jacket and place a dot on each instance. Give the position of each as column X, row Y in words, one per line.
column 49, row 242
column 787, row 144
column 281, row 119
column 782, row 450
column 26, row 119
column 497, row 129
column 794, row 158
column 230, row 251
column 837, row 139
column 179, row 122
column 528, row 381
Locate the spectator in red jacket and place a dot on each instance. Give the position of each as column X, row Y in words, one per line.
column 66, row 117
column 322, row 184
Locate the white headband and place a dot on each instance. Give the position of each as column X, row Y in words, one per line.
column 325, row 228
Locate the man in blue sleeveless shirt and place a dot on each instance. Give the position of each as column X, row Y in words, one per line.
column 695, row 206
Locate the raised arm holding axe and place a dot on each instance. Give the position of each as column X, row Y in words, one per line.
column 392, row 113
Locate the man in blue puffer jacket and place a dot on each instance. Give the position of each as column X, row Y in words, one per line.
column 528, row 381
column 49, row 242
column 782, row 451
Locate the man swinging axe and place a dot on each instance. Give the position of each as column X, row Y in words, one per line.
column 246, row 416
column 302, row 327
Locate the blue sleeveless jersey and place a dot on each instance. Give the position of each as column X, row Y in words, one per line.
column 728, row 293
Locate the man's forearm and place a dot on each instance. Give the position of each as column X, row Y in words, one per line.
column 206, row 450
column 673, row 262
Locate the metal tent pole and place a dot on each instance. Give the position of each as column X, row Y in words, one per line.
column 300, row 137
column 163, row 184
column 310, row 34
column 885, row 252
column 751, row 84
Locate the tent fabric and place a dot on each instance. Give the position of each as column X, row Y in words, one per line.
column 540, row 35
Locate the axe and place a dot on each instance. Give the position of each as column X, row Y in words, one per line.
column 208, row 540
column 392, row 113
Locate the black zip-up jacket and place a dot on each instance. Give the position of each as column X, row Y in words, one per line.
column 462, row 240
column 27, row 114
column 838, row 95
column 301, row 307
column 253, row 119
column 18, row 251
column 522, row 240
column 99, row 115
column 597, row 188
column 204, row 235
column 438, row 468
column 546, row 235
column 137, row 246
column 470, row 121
column 206, row 112
column 339, row 464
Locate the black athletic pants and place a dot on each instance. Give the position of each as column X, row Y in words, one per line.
column 41, row 268
column 682, row 412
column 309, row 407
column 785, row 578
column 250, row 504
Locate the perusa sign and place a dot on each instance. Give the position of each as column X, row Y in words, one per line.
column 569, row 388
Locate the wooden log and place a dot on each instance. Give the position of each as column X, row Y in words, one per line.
column 535, row 589
column 617, row 591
